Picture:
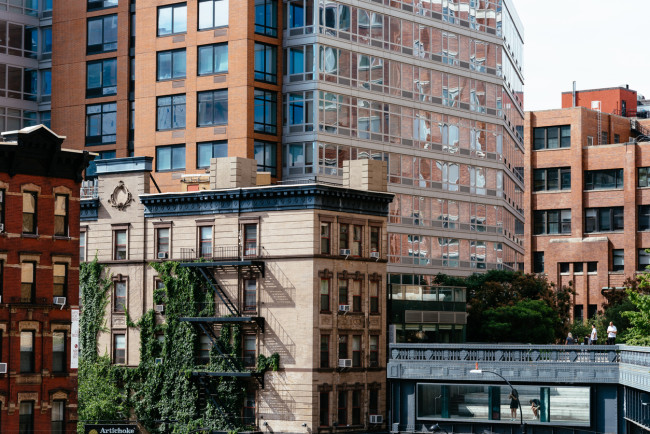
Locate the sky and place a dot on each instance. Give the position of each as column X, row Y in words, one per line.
column 597, row 43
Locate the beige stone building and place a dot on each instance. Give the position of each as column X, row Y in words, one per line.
column 303, row 266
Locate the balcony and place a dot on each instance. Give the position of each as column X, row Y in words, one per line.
column 221, row 253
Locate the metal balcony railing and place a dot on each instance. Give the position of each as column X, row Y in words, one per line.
column 89, row 192
column 221, row 253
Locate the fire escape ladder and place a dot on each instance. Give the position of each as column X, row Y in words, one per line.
column 218, row 289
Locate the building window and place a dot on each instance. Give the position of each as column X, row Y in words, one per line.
column 343, row 347
column 209, row 150
column 603, row 219
column 249, row 408
column 172, row 19
column 344, row 236
column 373, row 401
column 58, row 352
column 603, row 179
column 550, row 222
column 578, row 312
column 356, row 351
column 324, row 409
column 343, row 292
column 592, row 267
column 374, row 351
column 213, row 59
column 325, row 295
column 171, row 112
column 119, row 301
column 357, row 238
column 643, row 177
column 324, row 351
column 265, row 116
column 101, row 4
column 604, row 137
column 60, row 271
column 30, row 206
column 162, row 243
column 578, row 268
column 120, row 245
column 266, row 17
column 375, row 239
column 213, row 13
column 250, row 240
column 212, row 108
column 343, row 408
column 58, row 416
column 171, row 64
column 266, row 64
column 2, row 211
column 27, row 351
column 356, row 295
column 374, row 296
column 119, row 349
column 205, row 241
column 170, row 158
column 618, row 259
column 266, row 157
column 61, row 215
column 564, row 267
column 101, row 78
column 552, row 137
column 555, row 178
column 249, row 351
column 644, row 260
column 1, row 290
column 101, row 123
column 102, row 34
column 325, row 241
column 250, row 295
column 538, row 262
column 26, row 417
column 205, row 345
column 356, row 407
column 27, row 282
column 644, row 217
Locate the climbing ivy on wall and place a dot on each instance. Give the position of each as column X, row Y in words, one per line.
column 166, row 390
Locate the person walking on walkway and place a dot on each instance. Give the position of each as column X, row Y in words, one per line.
column 514, row 405
column 594, row 335
column 611, row 334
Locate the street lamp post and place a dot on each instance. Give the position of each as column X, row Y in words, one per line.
column 512, row 389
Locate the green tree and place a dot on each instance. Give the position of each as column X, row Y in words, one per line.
column 527, row 321
column 639, row 331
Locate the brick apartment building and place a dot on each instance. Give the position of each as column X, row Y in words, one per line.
column 302, row 266
column 588, row 203
column 39, row 280
column 614, row 100
column 432, row 88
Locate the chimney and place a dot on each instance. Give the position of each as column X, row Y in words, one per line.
column 232, row 172
column 370, row 175
column 574, row 93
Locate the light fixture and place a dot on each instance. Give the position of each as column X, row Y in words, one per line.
column 421, row 335
column 438, row 428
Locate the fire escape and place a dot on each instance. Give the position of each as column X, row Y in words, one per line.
column 224, row 261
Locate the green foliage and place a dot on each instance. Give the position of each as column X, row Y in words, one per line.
column 527, row 321
column 94, row 289
column 487, row 292
column 265, row 363
column 98, row 393
column 639, row 331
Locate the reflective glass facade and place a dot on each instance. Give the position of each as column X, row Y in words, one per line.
column 433, row 88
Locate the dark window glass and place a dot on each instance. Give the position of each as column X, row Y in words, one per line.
column 213, row 13
column 266, row 17
column 250, row 295
column 296, row 14
column 538, row 262
column 58, row 352
column 564, row 267
column 171, row 64
column 343, row 296
column 324, row 409
column 208, row 150
column 324, row 351
column 603, row 179
column 266, row 65
column 578, row 267
column 374, row 351
column 356, row 407
column 212, row 108
column 552, row 137
column 213, row 59
column 343, row 347
column 618, row 259
column 101, row 78
column 102, row 34
column 27, row 351
column 266, row 157
column 342, row 410
column 592, row 267
column 643, row 176
column 171, row 112
column 644, row 260
column 119, row 349
column 644, row 217
column 119, row 301
column 101, row 123
column 249, row 408
column 172, row 19
column 26, row 416
column 552, row 222
column 324, row 295
column 2, row 211
column 603, row 219
column 265, row 118
column 170, row 158
column 101, row 4
column 617, row 138
column 325, row 238
column 249, row 350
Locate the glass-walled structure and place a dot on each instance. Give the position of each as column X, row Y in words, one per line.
column 427, row 314
column 432, row 87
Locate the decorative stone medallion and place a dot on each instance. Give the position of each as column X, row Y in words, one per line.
column 121, row 197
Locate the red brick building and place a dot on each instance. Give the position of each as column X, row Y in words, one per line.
column 39, row 281
column 587, row 205
column 615, row 100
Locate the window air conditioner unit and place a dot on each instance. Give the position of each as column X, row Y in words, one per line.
column 376, row 418
column 162, row 255
column 3, row 368
column 345, row 363
column 59, row 301
column 374, row 255
column 158, row 360
column 344, row 252
column 159, row 308
column 344, row 308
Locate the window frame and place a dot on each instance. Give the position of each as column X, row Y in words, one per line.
column 265, row 28
column 356, row 245
column 375, row 239
column 214, row 57
column 95, row 5
column 325, row 300
column 324, row 351
column 214, row 24
column 27, row 358
column 373, row 351
column 65, row 223
column 3, row 198
column 342, row 407
column 218, row 99
column 120, row 301
column 214, row 145
column 541, row 137
column 357, row 399
column 538, row 262
column 646, row 177
column 343, row 291
column 160, row 241
column 590, row 182
column 325, row 238
column 561, row 173
column 265, row 63
column 373, row 297
column 64, row 285
column 31, row 285
column 248, row 249
column 616, row 214
column 250, row 295
column 173, row 8
column 203, row 242
column 643, row 218
column 119, row 353
column 618, row 254
column 59, row 358
column 357, row 351
column 26, row 420
column 249, row 356
column 324, row 409
column 103, row 138
column 174, row 111
column 172, row 149
column 33, row 230
column 103, row 89
column 265, row 104
column 269, row 156
column 117, row 248
column 172, row 63
column 104, row 47
column 58, row 409
column 545, row 222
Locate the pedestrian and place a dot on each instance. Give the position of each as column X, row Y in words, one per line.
column 594, row 335
column 535, row 406
column 569, row 339
column 514, row 404
column 611, row 334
